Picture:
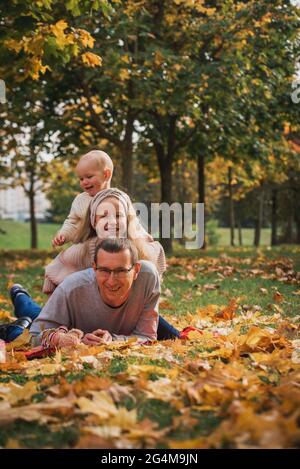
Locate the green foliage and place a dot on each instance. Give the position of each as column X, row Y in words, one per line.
column 211, row 232
column 157, row 410
column 35, row 435
column 117, row 365
column 63, row 186
column 184, row 77
column 207, row 422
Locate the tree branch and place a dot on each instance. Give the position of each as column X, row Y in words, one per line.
column 103, row 133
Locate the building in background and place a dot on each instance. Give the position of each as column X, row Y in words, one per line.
column 14, row 204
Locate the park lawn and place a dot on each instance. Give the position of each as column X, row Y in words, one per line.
column 230, row 386
column 247, row 236
column 17, row 235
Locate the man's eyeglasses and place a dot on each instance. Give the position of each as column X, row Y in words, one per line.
column 117, row 273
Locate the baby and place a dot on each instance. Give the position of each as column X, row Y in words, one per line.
column 95, row 170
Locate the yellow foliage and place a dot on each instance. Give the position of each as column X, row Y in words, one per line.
column 12, row 44
column 35, row 67
column 100, row 405
column 15, row 393
column 5, row 316
column 124, row 74
column 158, row 58
column 92, row 60
column 20, row 341
column 85, row 38
column 58, row 29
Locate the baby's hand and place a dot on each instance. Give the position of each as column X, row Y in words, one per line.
column 68, row 339
column 59, row 240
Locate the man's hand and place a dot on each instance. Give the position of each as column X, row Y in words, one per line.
column 97, row 337
column 59, row 240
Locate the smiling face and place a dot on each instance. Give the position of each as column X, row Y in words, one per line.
column 111, row 219
column 91, row 178
column 114, row 291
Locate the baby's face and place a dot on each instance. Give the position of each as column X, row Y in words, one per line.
column 91, row 178
column 111, row 219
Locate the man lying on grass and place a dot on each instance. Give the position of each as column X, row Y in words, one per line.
column 114, row 300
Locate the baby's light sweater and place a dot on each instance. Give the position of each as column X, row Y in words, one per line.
column 78, row 211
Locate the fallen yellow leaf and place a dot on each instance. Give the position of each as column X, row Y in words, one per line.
column 20, row 341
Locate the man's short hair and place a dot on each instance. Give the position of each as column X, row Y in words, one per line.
column 117, row 245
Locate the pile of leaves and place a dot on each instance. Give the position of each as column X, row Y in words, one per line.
column 233, row 383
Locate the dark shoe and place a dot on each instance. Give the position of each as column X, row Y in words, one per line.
column 15, row 289
column 9, row 332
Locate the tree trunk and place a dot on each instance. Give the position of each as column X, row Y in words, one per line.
column 201, row 185
column 231, row 206
column 166, row 196
column 297, row 219
column 181, row 197
column 33, row 224
column 240, row 232
column 297, row 215
column 127, row 168
column 165, row 168
column 290, row 223
column 274, row 240
column 165, row 157
column 127, row 155
column 259, row 220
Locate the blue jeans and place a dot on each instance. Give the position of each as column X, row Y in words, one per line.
column 25, row 306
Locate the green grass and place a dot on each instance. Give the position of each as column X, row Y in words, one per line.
column 190, row 295
column 17, row 235
column 247, row 236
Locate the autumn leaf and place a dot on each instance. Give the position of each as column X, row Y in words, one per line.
column 5, row 316
column 14, row 393
column 211, row 286
column 278, row 297
column 124, row 74
column 229, row 311
column 101, row 405
column 258, row 339
column 20, row 341
column 35, row 67
column 90, row 59
column 166, row 305
column 86, row 39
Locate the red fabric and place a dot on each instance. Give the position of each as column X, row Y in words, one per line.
column 184, row 334
column 39, row 352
